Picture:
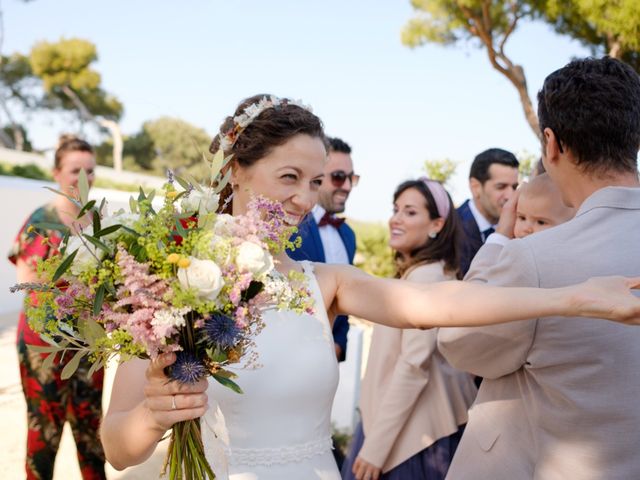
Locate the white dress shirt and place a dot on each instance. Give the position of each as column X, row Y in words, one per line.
column 334, row 249
column 481, row 220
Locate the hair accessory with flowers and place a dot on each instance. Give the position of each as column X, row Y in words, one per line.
column 249, row 114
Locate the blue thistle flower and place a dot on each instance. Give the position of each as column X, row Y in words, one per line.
column 222, row 331
column 187, row 368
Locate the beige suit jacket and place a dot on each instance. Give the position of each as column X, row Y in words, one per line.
column 561, row 396
column 410, row 396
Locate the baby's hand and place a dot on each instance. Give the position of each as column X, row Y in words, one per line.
column 508, row 216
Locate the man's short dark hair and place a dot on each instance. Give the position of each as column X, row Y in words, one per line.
column 593, row 107
column 482, row 162
column 338, row 145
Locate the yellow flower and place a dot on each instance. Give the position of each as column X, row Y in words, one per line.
column 30, row 229
column 184, row 263
column 173, row 258
column 172, row 194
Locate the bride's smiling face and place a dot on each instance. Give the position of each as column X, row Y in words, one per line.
column 290, row 174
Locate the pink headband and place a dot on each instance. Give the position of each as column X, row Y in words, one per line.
column 440, row 196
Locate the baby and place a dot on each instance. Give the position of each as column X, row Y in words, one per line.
column 540, row 206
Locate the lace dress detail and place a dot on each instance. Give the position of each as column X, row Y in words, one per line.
column 280, row 428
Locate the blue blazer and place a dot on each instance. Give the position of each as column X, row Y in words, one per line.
column 471, row 241
column 313, row 250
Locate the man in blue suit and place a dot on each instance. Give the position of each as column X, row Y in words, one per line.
column 325, row 237
column 492, row 180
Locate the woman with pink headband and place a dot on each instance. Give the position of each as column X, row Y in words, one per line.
column 413, row 404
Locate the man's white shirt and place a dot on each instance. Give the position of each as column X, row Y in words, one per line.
column 334, row 249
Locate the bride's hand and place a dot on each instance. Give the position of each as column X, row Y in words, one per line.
column 609, row 297
column 169, row 402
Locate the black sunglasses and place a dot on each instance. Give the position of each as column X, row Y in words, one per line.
column 338, row 178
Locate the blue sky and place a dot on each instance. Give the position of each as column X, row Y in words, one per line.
column 195, row 59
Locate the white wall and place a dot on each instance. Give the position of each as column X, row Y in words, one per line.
column 18, row 198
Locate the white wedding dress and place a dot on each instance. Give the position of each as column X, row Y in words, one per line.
column 280, row 427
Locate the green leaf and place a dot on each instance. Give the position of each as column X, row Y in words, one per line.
column 103, row 203
column 107, row 231
column 43, row 348
column 68, row 197
column 96, row 221
column 183, row 183
column 86, row 207
column 192, row 181
column 50, row 226
column 223, row 183
column 98, row 300
column 83, row 187
column 227, row 383
column 151, row 196
column 141, row 195
column 65, row 241
column 130, row 230
column 95, row 366
column 64, row 266
column 133, row 205
column 97, row 243
column 71, row 367
column 47, row 363
column 216, row 162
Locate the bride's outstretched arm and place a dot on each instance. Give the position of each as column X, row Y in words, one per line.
column 143, row 406
column 400, row 303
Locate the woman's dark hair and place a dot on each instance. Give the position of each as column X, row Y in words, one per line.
column 442, row 248
column 69, row 143
column 271, row 128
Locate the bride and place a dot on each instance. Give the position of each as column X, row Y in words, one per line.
column 280, row 427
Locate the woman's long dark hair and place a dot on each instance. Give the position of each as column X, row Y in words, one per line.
column 445, row 247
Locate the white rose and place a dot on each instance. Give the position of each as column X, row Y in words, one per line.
column 203, row 275
column 224, row 224
column 197, row 201
column 253, row 258
column 85, row 259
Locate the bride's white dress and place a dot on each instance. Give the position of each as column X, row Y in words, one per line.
column 280, row 428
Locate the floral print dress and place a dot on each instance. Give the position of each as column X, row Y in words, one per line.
column 50, row 400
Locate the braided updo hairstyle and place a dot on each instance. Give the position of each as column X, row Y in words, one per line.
column 272, row 128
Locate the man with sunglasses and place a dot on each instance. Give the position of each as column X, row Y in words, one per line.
column 327, row 238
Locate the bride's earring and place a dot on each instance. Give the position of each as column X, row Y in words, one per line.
column 433, row 235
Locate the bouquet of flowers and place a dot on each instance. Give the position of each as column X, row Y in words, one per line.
column 181, row 279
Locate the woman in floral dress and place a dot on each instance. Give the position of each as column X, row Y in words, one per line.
column 52, row 401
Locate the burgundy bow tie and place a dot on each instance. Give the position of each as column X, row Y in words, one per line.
column 328, row 219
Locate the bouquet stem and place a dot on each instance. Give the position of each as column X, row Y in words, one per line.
column 186, row 459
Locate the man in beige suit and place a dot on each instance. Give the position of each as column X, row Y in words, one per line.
column 561, row 397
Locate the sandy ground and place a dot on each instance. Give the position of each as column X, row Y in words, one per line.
column 13, row 423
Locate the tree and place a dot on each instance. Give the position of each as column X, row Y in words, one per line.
column 602, row 25
column 491, row 22
column 71, row 84
column 440, row 170
column 17, row 92
column 164, row 143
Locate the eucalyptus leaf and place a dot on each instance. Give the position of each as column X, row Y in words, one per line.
column 47, row 363
column 223, row 183
column 183, row 183
column 151, row 196
column 83, row 186
column 97, row 243
column 192, row 181
column 141, row 195
column 227, row 383
column 43, row 348
column 71, row 367
column 95, row 366
column 64, row 266
column 96, row 221
column 107, row 230
column 103, row 203
column 216, row 162
column 50, row 226
column 133, row 205
column 68, row 197
column 98, row 300
column 86, row 207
